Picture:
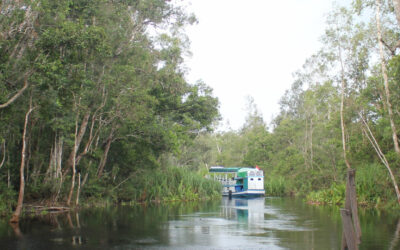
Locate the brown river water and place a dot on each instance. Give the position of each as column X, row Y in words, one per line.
column 261, row 223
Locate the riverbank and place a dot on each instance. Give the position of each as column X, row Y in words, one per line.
column 374, row 190
column 146, row 186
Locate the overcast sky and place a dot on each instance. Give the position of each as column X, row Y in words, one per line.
column 251, row 48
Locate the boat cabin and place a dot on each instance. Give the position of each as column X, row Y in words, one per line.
column 239, row 181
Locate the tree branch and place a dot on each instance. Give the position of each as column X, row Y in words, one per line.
column 18, row 94
column 4, row 154
column 392, row 49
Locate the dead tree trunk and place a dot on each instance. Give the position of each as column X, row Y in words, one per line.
column 385, row 78
column 351, row 236
column 350, row 239
column 351, row 201
column 17, row 212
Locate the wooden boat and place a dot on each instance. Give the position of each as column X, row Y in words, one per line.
column 239, row 181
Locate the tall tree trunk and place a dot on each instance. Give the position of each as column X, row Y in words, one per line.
column 385, row 77
column 57, row 174
column 79, row 190
column 78, row 139
column 93, row 134
column 3, row 148
column 311, row 145
column 103, row 161
column 72, row 158
column 54, row 170
column 396, row 5
column 343, row 86
column 305, row 151
column 17, row 212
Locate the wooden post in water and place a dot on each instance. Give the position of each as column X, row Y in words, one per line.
column 351, row 236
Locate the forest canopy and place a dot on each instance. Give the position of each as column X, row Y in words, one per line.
column 95, row 88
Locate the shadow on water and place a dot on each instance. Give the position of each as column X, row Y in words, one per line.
column 262, row 223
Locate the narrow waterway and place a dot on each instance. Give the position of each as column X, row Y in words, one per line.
column 263, row 223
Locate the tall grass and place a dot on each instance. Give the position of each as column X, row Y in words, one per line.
column 172, row 183
column 275, row 186
column 374, row 186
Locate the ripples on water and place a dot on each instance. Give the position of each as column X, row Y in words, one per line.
column 262, row 223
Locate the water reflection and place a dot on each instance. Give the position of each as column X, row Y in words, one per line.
column 252, row 223
column 262, row 223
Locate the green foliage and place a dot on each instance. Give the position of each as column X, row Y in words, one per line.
column 374, row 187
column 334, row 195
column 8, row 199
column 372, row 184
column 103, row 84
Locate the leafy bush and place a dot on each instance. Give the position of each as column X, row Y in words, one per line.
column 334, row 195
column 372, row 186
column 8, row 199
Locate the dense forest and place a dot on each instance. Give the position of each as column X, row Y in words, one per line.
column 93, row 97
column 95, row 107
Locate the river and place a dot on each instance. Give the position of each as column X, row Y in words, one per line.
column 262, row 223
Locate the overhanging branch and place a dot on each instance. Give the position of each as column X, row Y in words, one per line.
column 18, row 94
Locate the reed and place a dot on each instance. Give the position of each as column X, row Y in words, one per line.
column 275, row 186
column 168, row 184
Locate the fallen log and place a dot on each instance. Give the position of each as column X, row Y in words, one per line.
column 45, row 208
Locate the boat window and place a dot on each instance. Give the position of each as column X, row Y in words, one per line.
column 251, row 173
column 259, row 179
column 251, row 179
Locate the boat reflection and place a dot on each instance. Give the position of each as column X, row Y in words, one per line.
column 250, row 211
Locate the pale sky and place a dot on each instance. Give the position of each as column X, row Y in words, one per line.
column 251, row 48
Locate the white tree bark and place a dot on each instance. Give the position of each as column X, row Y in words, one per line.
column 396, row 5
column 382, row 157
column 17, row 212
column 385, row 79
column 343, row 86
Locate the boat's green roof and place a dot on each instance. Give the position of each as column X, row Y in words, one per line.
column 243, row 171
column 224, row 170
column 227, row 170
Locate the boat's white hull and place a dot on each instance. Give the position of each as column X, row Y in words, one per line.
column 247, row 193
